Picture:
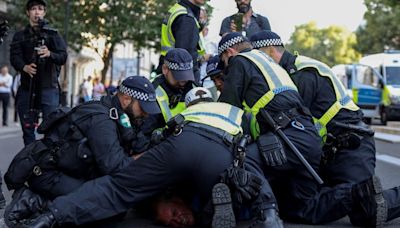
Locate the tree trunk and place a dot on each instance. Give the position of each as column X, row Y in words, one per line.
column 106, row 60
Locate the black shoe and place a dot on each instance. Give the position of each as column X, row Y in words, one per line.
column 269, row 219
column 24, row 204
column 223, row 211
column 369, row 205
column 45, row 220
column 2, row 200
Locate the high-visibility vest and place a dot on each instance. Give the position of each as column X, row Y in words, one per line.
column 168, row 39
column 216, row 114
column 163, row 102
column 343, row 100
column 277, row 79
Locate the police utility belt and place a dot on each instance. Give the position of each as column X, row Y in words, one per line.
column 348, row 137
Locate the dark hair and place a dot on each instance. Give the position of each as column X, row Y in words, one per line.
column 32, row 3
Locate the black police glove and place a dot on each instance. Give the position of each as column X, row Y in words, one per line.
column 245, row 185
column 157, row 136
column 271, row 150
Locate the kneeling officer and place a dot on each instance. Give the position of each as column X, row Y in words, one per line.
column 91, row 140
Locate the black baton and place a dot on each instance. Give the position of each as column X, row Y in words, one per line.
column 267, row 117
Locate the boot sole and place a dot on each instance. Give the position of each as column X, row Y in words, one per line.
column 381, row 204
column 223, row 211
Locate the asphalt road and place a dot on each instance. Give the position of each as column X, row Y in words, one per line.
column 388, row 169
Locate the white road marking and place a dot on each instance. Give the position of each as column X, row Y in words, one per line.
column 388, row 159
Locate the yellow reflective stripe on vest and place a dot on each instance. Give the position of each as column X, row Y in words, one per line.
column 277, row 84
column 216, row 114
column 163, row 102
column 343, row 100
column 168, row 39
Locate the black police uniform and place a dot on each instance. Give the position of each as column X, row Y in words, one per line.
column 186, row 34
column 104, row 151
column 45, row 81
column 299, row 196
column 348, row 166
column 173, row 161
column 175, row 95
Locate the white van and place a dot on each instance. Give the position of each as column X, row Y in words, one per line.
column 388, row 65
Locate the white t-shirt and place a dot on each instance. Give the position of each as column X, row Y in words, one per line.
column 88, row 89
column 7, row 79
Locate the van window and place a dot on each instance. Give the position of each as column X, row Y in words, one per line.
column 365, row 75
column 393, row 75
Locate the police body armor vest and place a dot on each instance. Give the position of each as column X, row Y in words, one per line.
column 163, row 102
column 277, row 79
column 220, row 115
column 168, row 39
column 343, row 100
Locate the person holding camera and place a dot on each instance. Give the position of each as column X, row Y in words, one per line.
column 38, row 52
column 245, row 21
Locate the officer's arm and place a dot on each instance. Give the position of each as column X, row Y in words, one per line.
column 235, row 83
column 58, row 50
column 16, row 52
column 104, row 142
column 186, row 35
column 225, row 26
column 307, row 84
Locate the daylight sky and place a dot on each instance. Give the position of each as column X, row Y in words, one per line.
column 284, row 15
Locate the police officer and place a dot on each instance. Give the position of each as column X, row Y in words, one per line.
column 93, row 139
column 38, row 52
column 214, row 71
column 211, row 125
column 171, row 88
column 349, row 151
column 254, row 80
column 182, row 30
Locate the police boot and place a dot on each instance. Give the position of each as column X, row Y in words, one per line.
column 369, row 205
column 45, row 220
column 24, row 204
column 223, row 211
column 268, row 218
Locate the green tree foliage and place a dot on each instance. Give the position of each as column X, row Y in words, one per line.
column 332, row 45
column 381, row 29
column 103, row 23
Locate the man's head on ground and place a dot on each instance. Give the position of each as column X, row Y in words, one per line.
column 137, row 97
column 269, row 43
column 215, row 70
column 243, row 5
column 178, row 68
column 173, row 212
column 35, row 10
column 231, row 44
column 197, row 95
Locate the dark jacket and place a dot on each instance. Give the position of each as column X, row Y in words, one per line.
column 186, row 33
column 105, row 147
column 245, row 82
column 22, row 53
column 317, row 92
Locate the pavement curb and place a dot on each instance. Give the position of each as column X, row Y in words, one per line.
column 387, row 137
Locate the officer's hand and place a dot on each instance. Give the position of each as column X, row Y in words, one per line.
column 233, row 26
column 245, row 185
column 44, row 52
column 30, row 69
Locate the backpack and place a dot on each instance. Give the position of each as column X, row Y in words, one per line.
column 64, row 147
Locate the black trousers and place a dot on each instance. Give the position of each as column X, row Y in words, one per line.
column 194, row 157
column 5, row 99
column 300, row 198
